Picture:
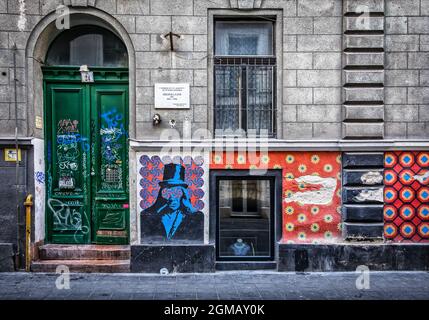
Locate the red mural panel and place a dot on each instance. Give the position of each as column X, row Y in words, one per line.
column 406, row 196
column 311, row 201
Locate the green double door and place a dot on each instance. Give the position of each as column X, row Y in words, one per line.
column 86, row 130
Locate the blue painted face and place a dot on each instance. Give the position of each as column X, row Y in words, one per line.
column 173, row 196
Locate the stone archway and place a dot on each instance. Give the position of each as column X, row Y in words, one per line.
column 37, row 46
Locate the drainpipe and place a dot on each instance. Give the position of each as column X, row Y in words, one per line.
column 28, row 205
column 18, row 225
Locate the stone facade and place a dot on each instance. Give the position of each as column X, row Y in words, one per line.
column 348, row 71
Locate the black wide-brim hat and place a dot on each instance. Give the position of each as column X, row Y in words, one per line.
column 174, row 176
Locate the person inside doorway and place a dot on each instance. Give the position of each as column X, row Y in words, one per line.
column 172, row 216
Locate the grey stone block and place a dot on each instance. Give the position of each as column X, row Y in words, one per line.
column 364, row 59
column 369, row 23
column 144, row 95
column 298, row 25
column 402, row 7
column 153, row 60
column 128, row 22
column 327, row 130
column 298, row 60
column 424, row 78
column 424, row 113
column 298, row 131
column 418, row 95
column 323, row 8
column 362, row 130
column 289, row 113
column 153, row 24
column 171, row 75
column 4, row 40
column 200, row 43
column 398, row 78
column 199, row 95
column 418, row 60
column 171, row 7
column 141, row 42
column 297, row 95
column 289, row 43
column 200, row 78
column 418, row 130
column 319, row 78
column 424, row 9
column 396, row 60
column 189, row 60
column 327, row 60
column 319, row 113
column 395, row 95
column 424, row 42
column 327, row 95
column 355, row 6
column 289, row 78
column 352, row 41
column 185, row 43
column 358, row 76
column 402, row 43
column 363, row 112
column 144, row 112
column 289, row 6
column 401, row 113
column 396, row 25
column 395, row 130
column 317, row 43
column 327, row 25
column 363, row 94
column 200, row 113
column 201, row 6
column 132, row 7
column 190, row 25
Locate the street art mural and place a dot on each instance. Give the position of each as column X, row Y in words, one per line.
column 311, row 188
column 172, row 198
column 406, row 196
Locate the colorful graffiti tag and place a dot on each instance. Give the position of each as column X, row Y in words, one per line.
column 406, row 196
column 311, row 203
column 171, row 198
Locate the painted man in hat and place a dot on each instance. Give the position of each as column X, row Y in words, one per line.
column 172, row 216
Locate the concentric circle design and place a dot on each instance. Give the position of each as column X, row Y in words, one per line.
column 406, row 194
column 423, row 212
column 423, row 194
column 423, row 230
column 406, row 159
column 390, row 177
column 423, row 159
column 390, row 195
column 407, row 230
column 406, row 177
column 390, row 160
column 390, row 230
column 390, row 213
column 407, row 212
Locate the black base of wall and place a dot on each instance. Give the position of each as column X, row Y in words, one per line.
column 347, row 257
column 6, row 257
column 176, row 258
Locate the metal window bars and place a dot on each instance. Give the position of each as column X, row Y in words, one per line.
column 245, row 95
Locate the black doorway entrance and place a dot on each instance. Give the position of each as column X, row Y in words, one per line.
column 246, row 207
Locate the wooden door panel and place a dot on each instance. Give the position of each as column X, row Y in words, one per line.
column 109, row 163
column 68, row 157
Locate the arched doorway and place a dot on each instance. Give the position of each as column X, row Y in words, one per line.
column 85, row 84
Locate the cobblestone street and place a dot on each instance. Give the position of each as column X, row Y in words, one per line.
column 218, row 286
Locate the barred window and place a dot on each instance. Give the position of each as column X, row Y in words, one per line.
column 245, row 77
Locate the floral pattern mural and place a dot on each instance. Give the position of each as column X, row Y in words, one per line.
column 311, row 201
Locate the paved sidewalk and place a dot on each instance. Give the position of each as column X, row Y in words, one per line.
column 221, row 285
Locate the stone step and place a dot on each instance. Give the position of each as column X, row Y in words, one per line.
column 101, row 266
column 84, row 252
column 248, row 265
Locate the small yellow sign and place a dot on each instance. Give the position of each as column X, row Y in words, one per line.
column 10, row 154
